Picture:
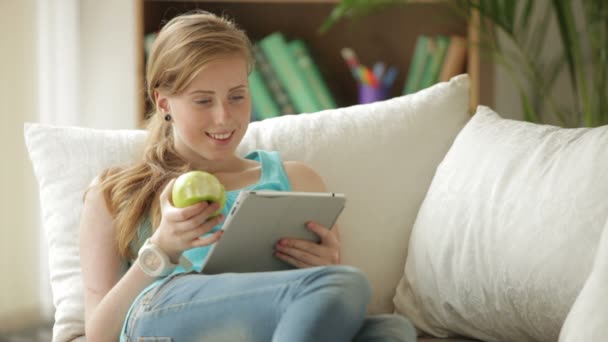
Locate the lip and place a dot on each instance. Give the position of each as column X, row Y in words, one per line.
column 220, row 141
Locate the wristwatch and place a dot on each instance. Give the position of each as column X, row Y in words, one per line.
column 156, row 263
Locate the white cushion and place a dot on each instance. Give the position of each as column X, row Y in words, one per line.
column 381, row 155
column 588, row 319
column 65, row 160
column 506, row 235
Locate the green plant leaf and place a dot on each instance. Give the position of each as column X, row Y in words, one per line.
column 576, row 66
column 356, row 9
column 508, row 8
column 596, row 30
column 552, row 69
column 521, row 26
column 336, row 14
column 564, row 23
column 529, row 113
column 538, row 33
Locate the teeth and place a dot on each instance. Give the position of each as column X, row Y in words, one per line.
column 220, row 136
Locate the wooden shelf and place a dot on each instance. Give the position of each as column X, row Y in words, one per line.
column 388, row 35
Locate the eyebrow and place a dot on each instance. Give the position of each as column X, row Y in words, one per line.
column 212, row 92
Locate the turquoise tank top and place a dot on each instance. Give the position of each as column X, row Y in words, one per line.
column 273, row 177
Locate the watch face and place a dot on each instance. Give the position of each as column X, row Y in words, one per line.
column 150, row 260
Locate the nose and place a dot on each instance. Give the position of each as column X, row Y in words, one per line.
column 222, row 114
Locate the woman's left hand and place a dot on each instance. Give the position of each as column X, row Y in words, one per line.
column 305, row 253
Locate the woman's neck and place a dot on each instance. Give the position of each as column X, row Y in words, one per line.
column 228, row 165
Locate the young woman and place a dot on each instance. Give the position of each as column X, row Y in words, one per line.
column 197, row 79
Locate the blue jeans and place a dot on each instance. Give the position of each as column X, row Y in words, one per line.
column 315, row 304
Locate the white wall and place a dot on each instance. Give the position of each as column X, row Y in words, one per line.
column 19, row 242
column 108, row 63
column 87, row 78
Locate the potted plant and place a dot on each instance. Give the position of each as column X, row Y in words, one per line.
column 523, row 27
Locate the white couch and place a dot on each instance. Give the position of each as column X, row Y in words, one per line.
column 488, row 231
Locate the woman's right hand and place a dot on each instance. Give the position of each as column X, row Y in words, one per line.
column 181, row 229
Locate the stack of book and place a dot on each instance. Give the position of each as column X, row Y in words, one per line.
column 435, row 59
column 286, row 79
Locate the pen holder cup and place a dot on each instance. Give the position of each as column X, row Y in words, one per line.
column 369, row 94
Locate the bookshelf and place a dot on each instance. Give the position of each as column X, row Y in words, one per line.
column 388, row 36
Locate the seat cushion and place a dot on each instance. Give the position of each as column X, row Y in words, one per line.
column 507, row 233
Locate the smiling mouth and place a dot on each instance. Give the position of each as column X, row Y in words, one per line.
column 220, row 136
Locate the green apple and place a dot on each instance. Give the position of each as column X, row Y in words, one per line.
column 197, row 186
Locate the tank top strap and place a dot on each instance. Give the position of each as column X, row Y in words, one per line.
column 272, row 169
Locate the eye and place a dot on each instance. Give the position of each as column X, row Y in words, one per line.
column 203, row 101
column 237, row 98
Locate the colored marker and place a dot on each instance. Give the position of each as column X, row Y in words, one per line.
column 389, row 77
column 353, row 63
column 370, row 79
column 378, row 70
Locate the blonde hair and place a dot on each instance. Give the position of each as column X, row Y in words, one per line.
column 183, row 46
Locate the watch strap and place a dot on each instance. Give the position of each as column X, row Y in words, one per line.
column 168, row 266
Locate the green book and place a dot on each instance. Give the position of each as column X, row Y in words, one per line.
column 437, row 54
column 311, row 73
column 417, row 66
column 272, row 82
column 261, row 99
column 275, row 49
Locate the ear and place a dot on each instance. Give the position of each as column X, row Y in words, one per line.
column 162, row 102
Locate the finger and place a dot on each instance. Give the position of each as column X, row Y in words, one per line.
column 326, row 236
column 201, row 217
column 203, row 228
column 303, row 256
column 186, row 214
column 207, row 240
column 303, row 245
column 165, row 195
column 320, row 254
column 291, row 260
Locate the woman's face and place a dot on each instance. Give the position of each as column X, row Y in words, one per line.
column 211, row 116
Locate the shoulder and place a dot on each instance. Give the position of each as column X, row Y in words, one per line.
column 94, row 200
column 94, row 192
column 303, row 177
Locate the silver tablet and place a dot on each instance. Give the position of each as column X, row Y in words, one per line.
column 258, row 219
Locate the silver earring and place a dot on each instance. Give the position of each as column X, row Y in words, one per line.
column 168, row 117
